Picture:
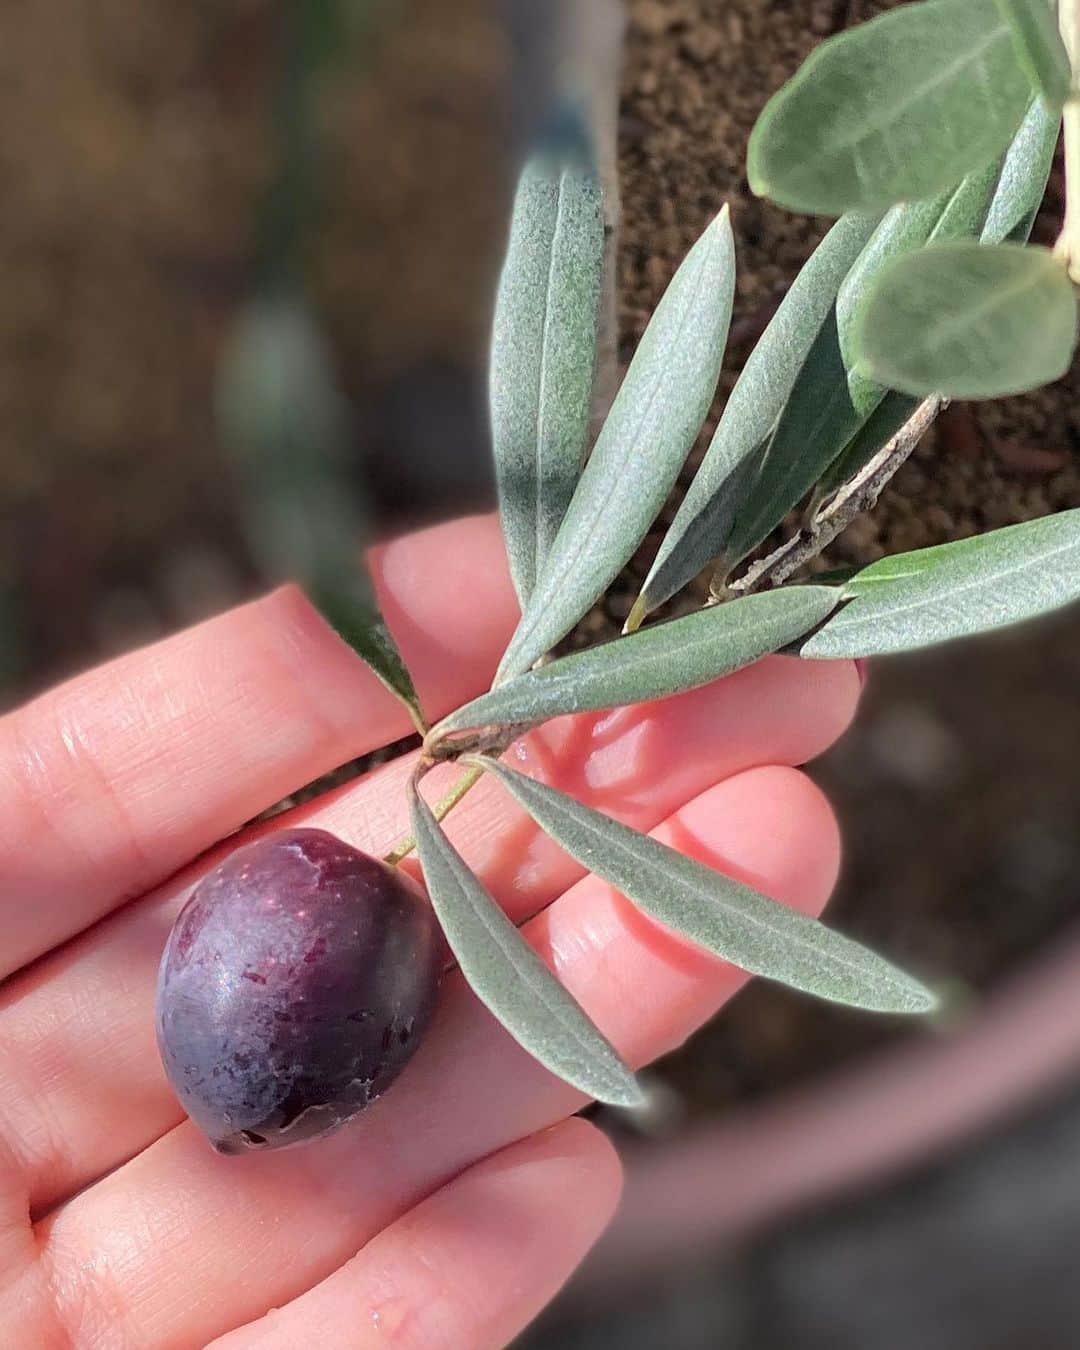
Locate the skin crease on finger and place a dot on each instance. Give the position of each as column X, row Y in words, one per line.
column 413, row 1286
column 77, row 1055
column 173, row 1248
column 123, row 775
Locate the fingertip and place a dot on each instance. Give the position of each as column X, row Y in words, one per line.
column 570, row 1159
column 581, row 1143
column 832, row 690
column 771, row 828
column 446, row 596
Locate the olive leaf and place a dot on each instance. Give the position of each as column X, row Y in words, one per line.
column 706, row 512
column 715, row 911
column 933, row 595
column 509, row 977
column 893, row 110
column 830, row 399
column 350, row 607
column 646, row 437
column 665, row 659
column 1022, row 184
column 543, row 347
column 1017, row 197
column 969, row 321
column 1039, row 48
column 282, row 420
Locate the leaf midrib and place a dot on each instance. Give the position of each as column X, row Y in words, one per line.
column 938, row 338
column 950, row 592
column 505, row 939
column 917, row 94
column 541, row 388
column 583, row 529
column 676, row 875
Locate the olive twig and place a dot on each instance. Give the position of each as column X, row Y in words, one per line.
column 830, row 520
column 440, row 810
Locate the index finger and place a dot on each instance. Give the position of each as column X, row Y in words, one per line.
column 113, row 781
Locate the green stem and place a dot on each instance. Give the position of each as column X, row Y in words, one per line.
column 440, row 811
column 1068, row 244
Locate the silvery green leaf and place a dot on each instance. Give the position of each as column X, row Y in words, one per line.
column 969, row 321
column 643, row 444
column 543, row 350
column 954, row 590
column 1039, row 47
column 1022, row 183
column 701, row 525
column 893, row 110
column 716, row 912
column 832, row 399
column 282, row 419
column 509, row 978
column 653, row 663
column 1017, row 197
column 350, row 607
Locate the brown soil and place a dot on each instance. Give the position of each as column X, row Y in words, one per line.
column 698, row 74
column 135, row 154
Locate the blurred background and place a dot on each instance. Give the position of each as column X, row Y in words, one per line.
column 812, row 1177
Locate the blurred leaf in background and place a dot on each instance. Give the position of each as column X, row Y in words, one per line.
column 282, row 416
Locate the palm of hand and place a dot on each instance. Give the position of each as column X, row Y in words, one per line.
column 457, row 1205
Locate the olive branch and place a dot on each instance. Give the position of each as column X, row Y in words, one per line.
column 924, row 290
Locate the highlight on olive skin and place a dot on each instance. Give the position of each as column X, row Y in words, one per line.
column 297, row 983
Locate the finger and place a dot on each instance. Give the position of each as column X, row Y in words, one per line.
column 114, row 780
column 470, row 1266
column 189, row 1243
column 83, row 1085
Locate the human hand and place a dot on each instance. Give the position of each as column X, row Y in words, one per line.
column 456, row 1206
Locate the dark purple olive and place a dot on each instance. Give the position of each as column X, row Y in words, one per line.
column 295, row 986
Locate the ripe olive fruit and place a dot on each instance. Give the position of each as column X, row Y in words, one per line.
column 295, row 986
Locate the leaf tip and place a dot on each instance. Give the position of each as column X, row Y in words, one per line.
column 635, row 618
column 916, row 999
column 636, row 1097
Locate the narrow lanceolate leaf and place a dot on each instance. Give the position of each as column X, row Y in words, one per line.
column 350, row 607
column 653, row 663
column 894, row 110
column 1022, row 182
column 510, row 979
column 704, row 518
column 1039, row 47
column 716, row 912
column 282, row 420
column 1016, row 200
column 542, row 351
column 648, row 433
column 969, row 321
column 936, row 594
column 830, row 399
